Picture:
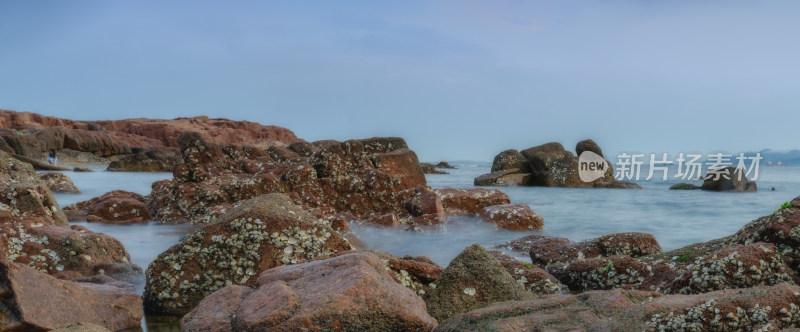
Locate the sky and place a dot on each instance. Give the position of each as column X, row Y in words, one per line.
column 457, row 79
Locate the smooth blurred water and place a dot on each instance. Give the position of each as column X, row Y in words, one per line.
column 676, row 217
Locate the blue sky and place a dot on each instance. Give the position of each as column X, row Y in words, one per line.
column 457, row 79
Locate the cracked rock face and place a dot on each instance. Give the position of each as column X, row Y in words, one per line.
column 234, row 249
column 352, row 292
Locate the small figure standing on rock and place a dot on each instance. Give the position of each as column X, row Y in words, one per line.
column 51, row 157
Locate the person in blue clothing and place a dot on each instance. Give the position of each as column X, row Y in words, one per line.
column 51, row 157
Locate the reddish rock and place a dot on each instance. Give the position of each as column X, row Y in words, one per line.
column 59, row 183
column 358, row 177
column 351, row 292
column 34, row 301
column 547, row 250
column 417, row 273
column 470, row 201
column 426, row 207
column 117, row 206
column 254, row 236
column 623, row 310
column 515, row 217
column 110, row 137
column 532, row 277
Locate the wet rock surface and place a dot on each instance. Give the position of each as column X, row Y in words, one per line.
column 729, row 179
column 470, row 201
column 117, row 206
column 351, row 292
column 234, row 249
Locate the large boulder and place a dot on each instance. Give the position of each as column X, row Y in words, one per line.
column 256, row 235
column 515, row 217
column 588, row 145
column 545, row 250
column 59, row 183
column 509, row 159
column 751, row 309
column 33, row 301
column 116, row 206
column 472, row 280
column 352, row 292
column 550, row 165
column 146, row 161
column 729, row 179
column 363, row 178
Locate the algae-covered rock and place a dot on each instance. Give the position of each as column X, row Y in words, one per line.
column 474, row 279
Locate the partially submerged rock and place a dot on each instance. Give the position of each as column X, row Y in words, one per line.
column 684, row 186
column 470, row 201
column 116, row 206
column 34, row 301
column 515, row 217
column 352, row 292
column 474, row 279
column 429, row 168
column 546, row 250
column 730, row 179
column 258, row 234
column 59, row 183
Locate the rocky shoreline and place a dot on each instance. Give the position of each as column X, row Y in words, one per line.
column 273, row 249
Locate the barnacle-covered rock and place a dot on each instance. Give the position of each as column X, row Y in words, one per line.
column 59, row 183
column 473, row 279
column 532, row 277
column 601, row 273
column 470, row 201
column 515, row 217
column 117, row 206
column 254, row 236
column 23, row 194
column 545, row 250
column 352, row 292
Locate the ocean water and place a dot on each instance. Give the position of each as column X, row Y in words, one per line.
column 676, row 217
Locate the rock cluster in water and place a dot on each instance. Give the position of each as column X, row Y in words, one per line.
column 549, row 165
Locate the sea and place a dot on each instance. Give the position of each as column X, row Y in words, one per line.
column 675, row 217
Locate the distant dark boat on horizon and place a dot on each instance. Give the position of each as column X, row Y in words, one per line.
column 769, row 163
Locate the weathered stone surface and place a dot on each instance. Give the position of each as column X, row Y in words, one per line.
column 429, row 168
column 117, row 206
column 623, row 310
column 515, row 217
column 23, row 194
column 147, row 161
column 617, row 271
column 35, row 301
column 684, row 186
column 59, row 183
column 510, row 159
column 81, row 327
column 254, row 236
column 145, row 134
column 506, row 177
column 425, row 207
column 352, row 292
column 729, row 179
column 588, row 145
column 470, row 201
column 546, row 250
column 363, row 178
column 532, row 277
column 473, row 279
column 550, row 165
